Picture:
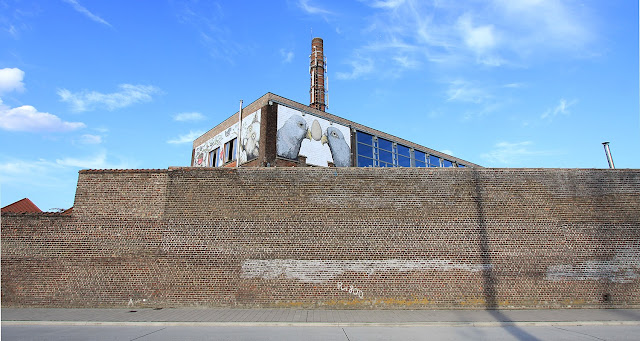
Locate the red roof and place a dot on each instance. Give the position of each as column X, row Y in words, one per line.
column 21, row 206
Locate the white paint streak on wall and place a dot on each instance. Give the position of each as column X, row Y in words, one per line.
column 623, row 268
column 319, row 271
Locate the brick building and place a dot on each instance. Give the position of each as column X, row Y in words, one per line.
column 276, row 131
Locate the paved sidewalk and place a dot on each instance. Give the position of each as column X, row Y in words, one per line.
column 302, row 317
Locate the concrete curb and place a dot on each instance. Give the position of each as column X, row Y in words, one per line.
column 325, row 324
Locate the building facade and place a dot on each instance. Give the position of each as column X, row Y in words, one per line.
column 276, row 131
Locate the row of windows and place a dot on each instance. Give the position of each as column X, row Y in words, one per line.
column 374, row 151
column 227, row 154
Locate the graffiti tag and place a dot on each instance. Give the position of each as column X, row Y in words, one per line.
column 351, row 289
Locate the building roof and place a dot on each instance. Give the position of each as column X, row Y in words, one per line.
column 22, row 206
column 271, row 98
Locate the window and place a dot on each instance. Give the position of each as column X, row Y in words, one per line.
column 447, row 163
column 404, row 156
column 365, row 150
column 461, row 165
column 419, row 158
column 230, row 150
column 213, row 157
column 434, row 161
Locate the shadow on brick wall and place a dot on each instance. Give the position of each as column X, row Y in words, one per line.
column 489, row 280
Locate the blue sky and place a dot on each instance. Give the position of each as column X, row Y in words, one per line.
column 130, row 84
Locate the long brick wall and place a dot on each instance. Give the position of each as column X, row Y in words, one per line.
column 333, row 238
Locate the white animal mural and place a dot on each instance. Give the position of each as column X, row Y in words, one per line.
column 320, row 140
column 250, row 144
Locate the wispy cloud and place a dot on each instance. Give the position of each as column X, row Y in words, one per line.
column 11, row 80
column 208, row 19
column 306, row 6
column 465, row 91
column 359, row 67
column 186, row 138
column 491, row 33
column 98, row 160
column 28, row 119
column 83, row 10
column 91, row 100
column 188, row 117
column 561, row 109
column 90, row 139
column 287, row 55
column 513, row 153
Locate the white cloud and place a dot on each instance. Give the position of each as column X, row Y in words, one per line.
column 311, row 9
column 360, row 67
column 90, row 139
column 11, row 80
column 464, row 91
column 188, row 116
column 447, row 151
column 406, row 62
column 389, row 4
column 29, row 119
column 129, row 94
column 561, row 109
column 508, row 153
column 187, row 138
column 287, row 56
column 97, row 161
column 491, row 33
column 81, row 9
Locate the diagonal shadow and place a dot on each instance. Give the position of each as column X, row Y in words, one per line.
column 489, row 279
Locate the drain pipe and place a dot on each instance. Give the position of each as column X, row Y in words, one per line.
column 239, row 137
column 607, row 151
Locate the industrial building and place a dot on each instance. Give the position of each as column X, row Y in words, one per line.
column 276, row 131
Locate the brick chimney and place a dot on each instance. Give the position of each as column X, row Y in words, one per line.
column 317, row 70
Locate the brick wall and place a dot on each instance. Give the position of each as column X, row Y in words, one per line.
column 333, row 238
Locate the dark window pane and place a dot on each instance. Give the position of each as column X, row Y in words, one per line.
column 434, row 161
column 385, row 156
column 404, row 161
column 447, row 163
column 402, row 150
column 364, row 138
column 364, row 162
column 384, row 164
column 365, row 150
column 385, row 144
column 461, row 166
column 419, row 156
column 420, row 164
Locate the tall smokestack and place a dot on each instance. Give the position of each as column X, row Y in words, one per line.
column 317, row 71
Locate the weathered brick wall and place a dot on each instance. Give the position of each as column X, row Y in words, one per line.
column 334, row 238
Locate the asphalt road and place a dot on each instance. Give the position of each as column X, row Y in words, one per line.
column 309, row 333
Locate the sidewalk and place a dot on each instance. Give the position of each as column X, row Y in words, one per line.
column 309, row 317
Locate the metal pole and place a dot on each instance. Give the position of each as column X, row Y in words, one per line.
column 607, row 151
column 239, row 135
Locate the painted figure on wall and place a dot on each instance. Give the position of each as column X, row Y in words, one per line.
column 289, row 137
column 340, row 150
column 321, row 141
column 250, row 144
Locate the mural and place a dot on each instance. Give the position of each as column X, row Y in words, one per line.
column 249, row 145
column 320, row 140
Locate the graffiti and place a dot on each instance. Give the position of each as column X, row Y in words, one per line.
column 250, row 144
column 320, row 271
column 132, row 302
column 352, row 290
column 319, row 140
column 624, row 267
